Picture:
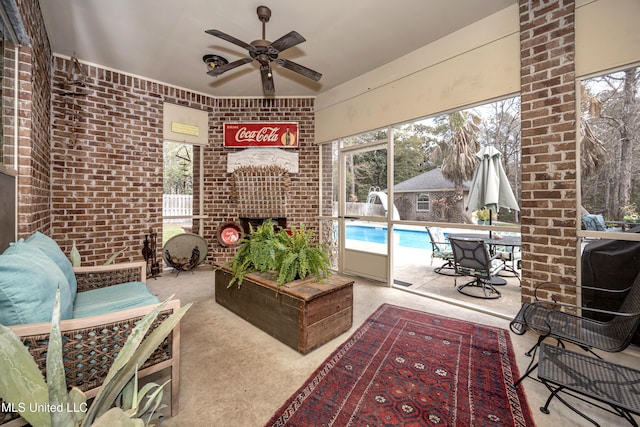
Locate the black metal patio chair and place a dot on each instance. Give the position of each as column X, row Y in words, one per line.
column 563, row 322
column 472, row 258
column 441, row 248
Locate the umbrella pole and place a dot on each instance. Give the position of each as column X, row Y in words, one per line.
column 490, row 219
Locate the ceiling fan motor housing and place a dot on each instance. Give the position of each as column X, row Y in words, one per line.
column 264, row 52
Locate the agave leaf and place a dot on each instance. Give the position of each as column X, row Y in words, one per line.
column 78, row 399
column 56, row 382
column 21, row 380
column 154, row 399
column 128, row 396
column 113, row 257
column 101, row 404
column 116, row 417
column 75, row 256
column 135, row 338
column 132, row 355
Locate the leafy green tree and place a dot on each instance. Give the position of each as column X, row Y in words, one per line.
column 369, row 170
column 409, row 154
column 178, row 168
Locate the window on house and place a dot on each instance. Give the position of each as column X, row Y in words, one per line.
column 423, row 203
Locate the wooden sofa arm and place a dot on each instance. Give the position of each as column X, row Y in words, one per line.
column 91, row 344
column 101, row 276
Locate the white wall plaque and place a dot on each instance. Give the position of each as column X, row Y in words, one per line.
column 263, row 157
column 184, row 124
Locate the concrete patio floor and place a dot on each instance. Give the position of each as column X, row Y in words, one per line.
column 414, row 267
column 233, row 374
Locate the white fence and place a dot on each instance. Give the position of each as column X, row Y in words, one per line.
column 177, row 205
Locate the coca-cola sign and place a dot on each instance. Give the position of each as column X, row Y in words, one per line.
column 254, row 134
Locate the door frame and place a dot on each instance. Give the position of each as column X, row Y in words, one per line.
column 360, row 262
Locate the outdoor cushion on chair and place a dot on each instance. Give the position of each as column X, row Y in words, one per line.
column 112, row 299
column 28, row 284
column 49, row 246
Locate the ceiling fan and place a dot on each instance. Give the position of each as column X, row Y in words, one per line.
column 265, row 52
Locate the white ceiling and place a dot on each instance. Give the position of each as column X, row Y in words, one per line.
column 164, row 40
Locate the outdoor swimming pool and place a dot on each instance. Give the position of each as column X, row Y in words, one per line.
column 407, row 238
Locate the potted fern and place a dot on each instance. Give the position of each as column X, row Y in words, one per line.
column 287, row 254
column 284, row 287
column 301, row 256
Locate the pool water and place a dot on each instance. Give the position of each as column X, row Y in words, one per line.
column 408, row 238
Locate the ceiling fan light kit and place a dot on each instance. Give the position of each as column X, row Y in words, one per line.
column 214, row 61
column 263, row 51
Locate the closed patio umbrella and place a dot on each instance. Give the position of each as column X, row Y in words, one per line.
column 490, row 187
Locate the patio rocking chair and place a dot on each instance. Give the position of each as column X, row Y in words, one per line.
column 546, row 319
column 472, row 258
column 440, row 248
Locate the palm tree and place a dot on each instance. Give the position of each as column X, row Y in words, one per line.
column 458, row 152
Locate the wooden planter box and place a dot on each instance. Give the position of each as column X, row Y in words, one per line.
column 303, row 314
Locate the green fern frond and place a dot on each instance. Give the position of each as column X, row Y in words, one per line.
column 293, row 255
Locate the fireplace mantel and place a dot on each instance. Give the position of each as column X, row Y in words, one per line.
column 263, row 157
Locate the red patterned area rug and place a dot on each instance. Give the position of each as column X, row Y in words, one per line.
column 404, row 367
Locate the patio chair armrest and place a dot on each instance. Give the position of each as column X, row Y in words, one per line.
column 571, row 285
column 553, row 304
column 102, row 276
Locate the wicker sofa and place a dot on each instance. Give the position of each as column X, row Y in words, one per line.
column 101, row 323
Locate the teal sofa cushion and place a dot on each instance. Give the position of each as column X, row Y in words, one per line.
column 593, row 222
column 53, row 251
column 28, row 284
column 112, row 298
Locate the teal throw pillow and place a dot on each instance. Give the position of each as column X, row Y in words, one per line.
column 53, row 251
column 28, row 284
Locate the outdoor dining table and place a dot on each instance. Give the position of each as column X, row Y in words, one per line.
column 509, row 241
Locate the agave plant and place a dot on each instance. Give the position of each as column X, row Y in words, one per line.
column 23, row 386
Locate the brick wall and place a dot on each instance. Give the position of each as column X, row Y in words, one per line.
column 303, row 197
column 107, row 162
column 34, row 70
column 549, row 184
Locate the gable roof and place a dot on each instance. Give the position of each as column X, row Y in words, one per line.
column 428, row 181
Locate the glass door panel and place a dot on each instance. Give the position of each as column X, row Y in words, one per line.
column 365, row 212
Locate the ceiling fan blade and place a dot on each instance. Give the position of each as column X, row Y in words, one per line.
column 300, row 69
column 288, row 40
column 216, row 71
column 267, row 80
column 227, row 37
